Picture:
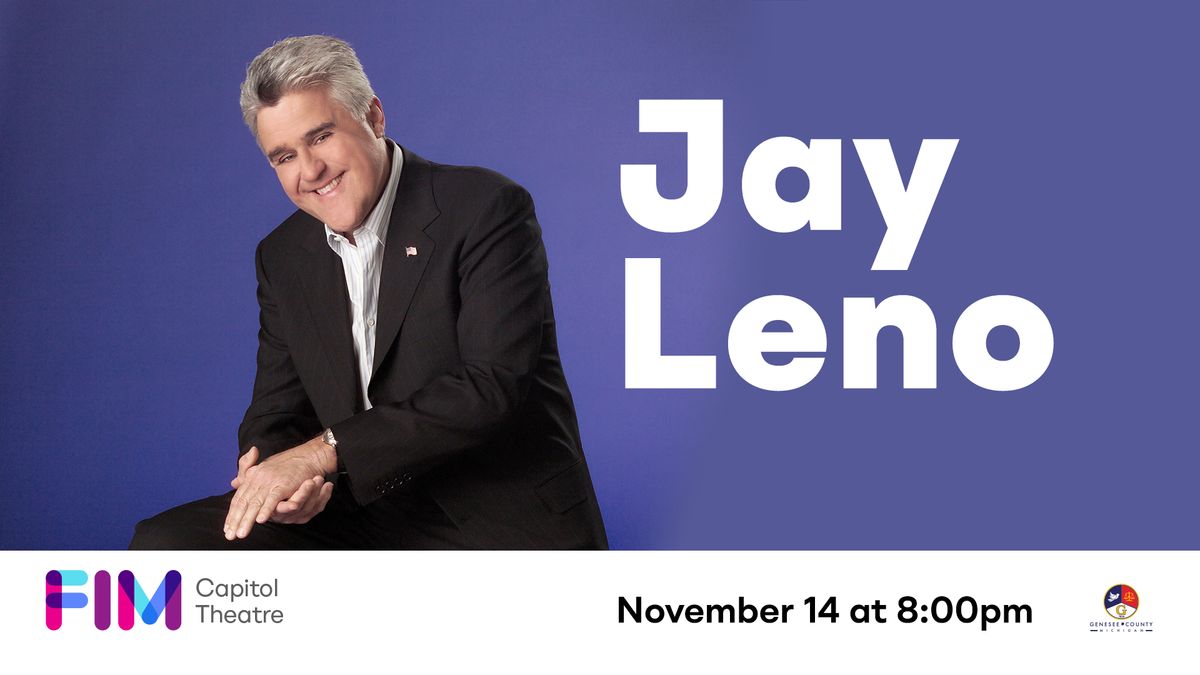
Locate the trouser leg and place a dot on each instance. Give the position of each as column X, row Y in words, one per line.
column 199, row 525
column 401, row 521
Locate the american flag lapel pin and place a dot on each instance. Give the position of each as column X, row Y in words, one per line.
column 410, row 251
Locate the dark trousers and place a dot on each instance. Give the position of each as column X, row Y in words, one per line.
column 405, row 520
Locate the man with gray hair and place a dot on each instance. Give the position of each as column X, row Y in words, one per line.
column 409, row 392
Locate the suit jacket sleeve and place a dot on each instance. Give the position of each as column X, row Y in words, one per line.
column 503, row 287
column 280, row 415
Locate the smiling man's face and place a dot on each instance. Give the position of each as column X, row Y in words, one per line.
column 331, row 165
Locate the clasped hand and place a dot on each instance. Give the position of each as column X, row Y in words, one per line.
column 288, row 487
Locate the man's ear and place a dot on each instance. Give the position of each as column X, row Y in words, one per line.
column 375, row 117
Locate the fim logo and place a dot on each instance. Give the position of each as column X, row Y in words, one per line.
column 132, row 601
column 1121, row 602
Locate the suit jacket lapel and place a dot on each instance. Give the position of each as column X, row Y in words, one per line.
column 406, row 252
column 325, row 290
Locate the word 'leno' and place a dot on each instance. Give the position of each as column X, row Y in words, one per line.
column 905, row 212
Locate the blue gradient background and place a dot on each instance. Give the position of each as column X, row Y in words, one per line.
column 133, row 198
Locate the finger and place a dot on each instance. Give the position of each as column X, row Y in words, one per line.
column 253, row 494
column 287, row 518
column 311, row 495
column 300, row 503
column 326, row 494
column 243, row 500
column 312, row 484
column 307, row 508
column 300, row 496
column 237, row 507
column 245, row 522
column 275, row 495
column 319, row 505
column 247, row 460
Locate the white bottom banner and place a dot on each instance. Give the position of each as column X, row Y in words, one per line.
column 602, row 612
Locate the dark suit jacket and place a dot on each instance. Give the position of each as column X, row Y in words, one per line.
column 470, row 405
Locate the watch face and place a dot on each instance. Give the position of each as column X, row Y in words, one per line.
column 329, row 437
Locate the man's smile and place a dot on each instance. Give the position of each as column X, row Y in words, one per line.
column 329, row 187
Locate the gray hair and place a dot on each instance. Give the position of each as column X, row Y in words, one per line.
column 298, row 63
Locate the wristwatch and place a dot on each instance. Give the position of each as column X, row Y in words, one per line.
column 328, row 439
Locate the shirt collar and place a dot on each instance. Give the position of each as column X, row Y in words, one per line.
column 376, row 223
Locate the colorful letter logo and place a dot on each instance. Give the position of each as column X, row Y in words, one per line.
column 132, row 601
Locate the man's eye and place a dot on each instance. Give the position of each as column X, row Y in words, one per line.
column 322, row 137
column 284, row 159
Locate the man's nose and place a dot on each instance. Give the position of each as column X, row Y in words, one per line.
column 312, row 168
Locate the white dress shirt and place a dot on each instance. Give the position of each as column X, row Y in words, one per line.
column 362, row 262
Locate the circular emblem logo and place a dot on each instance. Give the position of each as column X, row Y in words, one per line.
column 1121, row 602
